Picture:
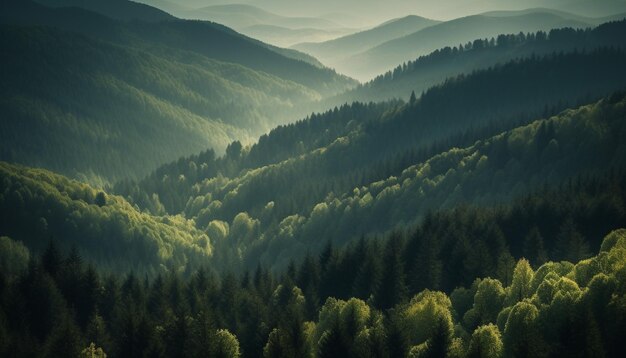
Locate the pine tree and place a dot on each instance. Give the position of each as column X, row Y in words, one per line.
column 51, row 259
column 570, row 244
column 534, row 249
column 392, row 289
column 332, row 344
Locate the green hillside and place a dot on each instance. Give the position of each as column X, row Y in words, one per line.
column 38, row 206
column 171, row 188
column 385, row 56
column 492, row 170
column 297, row 166
column 208, row 39
column 142, row 94
column 124, row 116
column 434, row 68
column 355, row 180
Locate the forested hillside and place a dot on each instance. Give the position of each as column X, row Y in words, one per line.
column 492, row 170
column 37, row 207
column 172, row 188
column 96, row 88
column 450, row 61
column 358, row 144
column 208, row 39
column 288, row 200
column 116, row 9
column 387, row 55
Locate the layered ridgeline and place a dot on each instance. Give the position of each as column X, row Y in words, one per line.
column 263, row 203
column 267, row 26
column 434, row 68
column 333, row 50
column 100, row 98
column 38, row 206
column 374, row 141
column 116, row 9
column 366, row 63
column 348, row 170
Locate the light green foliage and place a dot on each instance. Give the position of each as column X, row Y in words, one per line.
column 218, row 230
column 521, row 334
column 419, row 351
column 522, row 283
column 611, row 240
column 93, row 352
column 556, row 269
column 488, row 302
column 244, row 229
column 420, row 317
column 14, row 256
column 442, row 181
column 357, row 325
column 288, row 296
column 226, row 344
column 116, row 235
column 486, row 342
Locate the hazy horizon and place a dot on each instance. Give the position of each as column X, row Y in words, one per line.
column 374, row 12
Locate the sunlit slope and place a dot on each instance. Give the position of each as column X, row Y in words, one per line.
column 38, row 206
column 336, row 151
column 83, row 106
column 582, row 141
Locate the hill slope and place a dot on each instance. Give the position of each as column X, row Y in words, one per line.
column 279, row 182
column 37, row 206
column 384, row 56
column 126, row 110
column 330, row 52
column 434, row 68
column 117, row 9
column 492, row 170
column 242, row 15
column 142, row 94
column 204, row 38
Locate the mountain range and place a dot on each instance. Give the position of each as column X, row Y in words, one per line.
column 108, row 67
column 174, row 187
column 382, row 56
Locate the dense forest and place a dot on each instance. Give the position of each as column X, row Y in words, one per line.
column 172, row 188
column 285, row 201
column 530, row 309
column 358, row 144
column 36, row 204
column 431, row 69
column 379, row 59
column 105, row 92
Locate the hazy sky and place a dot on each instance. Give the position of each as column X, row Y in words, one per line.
column 381, row 10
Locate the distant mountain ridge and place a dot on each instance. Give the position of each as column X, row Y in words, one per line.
column 364, row 40
column 383, row 57
column 117, row 9
column 420, row 74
